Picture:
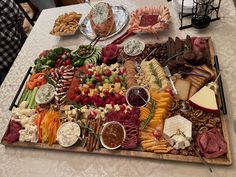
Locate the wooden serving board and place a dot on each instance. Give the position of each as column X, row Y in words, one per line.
column 225, row 160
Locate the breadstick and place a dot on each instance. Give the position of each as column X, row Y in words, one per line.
column 92, row 136
column 89, row 136
column 95, row 136
column 97, row 133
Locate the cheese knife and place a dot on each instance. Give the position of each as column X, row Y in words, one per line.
column 167, row 71
column 198, row 154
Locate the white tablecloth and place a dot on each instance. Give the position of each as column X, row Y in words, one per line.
column 41, row 163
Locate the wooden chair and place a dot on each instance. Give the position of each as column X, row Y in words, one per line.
column 35, row 10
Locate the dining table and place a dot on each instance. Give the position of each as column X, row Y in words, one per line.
column 26, row 162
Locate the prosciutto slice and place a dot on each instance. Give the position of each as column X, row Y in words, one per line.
column 211, row 144
column 12, row 134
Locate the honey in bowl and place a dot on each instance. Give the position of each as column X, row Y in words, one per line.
column 112, row 135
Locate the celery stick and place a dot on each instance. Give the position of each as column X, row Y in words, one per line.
column 23, row 96
column 34, row 104
column 32, row 100
column 29, row 97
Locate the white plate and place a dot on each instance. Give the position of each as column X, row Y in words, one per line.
column 121, row 17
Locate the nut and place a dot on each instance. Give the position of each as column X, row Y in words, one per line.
column 202, row 129
column 216, row 119
column 198, row 113
column 174, row 151
column 212, row 121
column 184, row 152
column 209, row 125
column 202, row 119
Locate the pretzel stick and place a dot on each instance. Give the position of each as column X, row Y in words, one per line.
column 97, row 133
column 84, row 130
column 89, row 136
column 93, row 126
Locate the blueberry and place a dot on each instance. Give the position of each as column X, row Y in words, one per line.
column 94, row 82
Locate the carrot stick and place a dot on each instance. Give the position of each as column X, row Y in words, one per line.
column 36, row 75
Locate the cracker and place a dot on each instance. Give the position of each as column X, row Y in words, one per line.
column 168, row 149
column 192, row 91
column 206, row 68
column 182, row 86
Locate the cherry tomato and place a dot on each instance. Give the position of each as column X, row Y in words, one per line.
column 67, row 62
column 122, row 107
column 169, row 90
column 77, row 90
column 64, row 63
column 157, row 133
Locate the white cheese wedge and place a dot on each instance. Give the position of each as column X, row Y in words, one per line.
column 180, row 142
column 205, row 100
column 178, row 131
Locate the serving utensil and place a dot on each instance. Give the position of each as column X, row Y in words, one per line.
column 213, row 85
column 137, row 92
column 198, row 154
column 150, row 53
column 202, row 159
column 95, row 41
column 221, row 89
column 176, row 55
column 89, row 3
column 167, row 71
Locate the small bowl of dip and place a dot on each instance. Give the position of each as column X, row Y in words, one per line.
column 137, row 96
column 112, row 135
column 134, row 47
column 45, row 94
column 68, row 134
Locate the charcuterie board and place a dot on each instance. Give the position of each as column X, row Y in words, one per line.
column 183, row 155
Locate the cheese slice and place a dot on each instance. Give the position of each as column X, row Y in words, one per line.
column 205, row 100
